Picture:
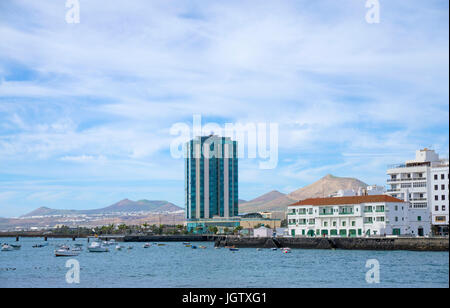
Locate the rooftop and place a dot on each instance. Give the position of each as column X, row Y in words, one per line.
column 347, row 200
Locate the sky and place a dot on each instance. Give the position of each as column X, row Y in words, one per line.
column 86, row 108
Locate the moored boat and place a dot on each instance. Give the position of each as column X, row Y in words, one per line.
column 234, row 249
column 65, row 253
column 16, row 247
column 97, row 247
column 147, row 245
column 7, row 247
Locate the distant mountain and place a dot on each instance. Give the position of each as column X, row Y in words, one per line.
column 276, row 201
column 262, row 203
column 127, row 205
column 326, row 186
column 124, row 206
column 45, row 211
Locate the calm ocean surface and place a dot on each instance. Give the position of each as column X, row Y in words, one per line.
column 174, row 265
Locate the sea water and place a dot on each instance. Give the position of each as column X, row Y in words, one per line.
column 175, row 265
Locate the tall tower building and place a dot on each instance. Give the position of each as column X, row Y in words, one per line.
column 211, row 178
column 423, row 182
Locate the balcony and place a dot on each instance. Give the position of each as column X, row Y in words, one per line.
column 406, row 179
column 325, row 213
column 346, row 213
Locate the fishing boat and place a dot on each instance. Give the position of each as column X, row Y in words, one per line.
column 194, row 247
column 147, row 245
column 160, row 244
column 287, row 251
column 6, row 247
column 274, row 249
column 118, row 247
column 234, row 249
column 78, row 245
column 130, row 247
column 97, row 247
column 66, row 253
column 16, row 247
column 189, row 245
column 202, row 247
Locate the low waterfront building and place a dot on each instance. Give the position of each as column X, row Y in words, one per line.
column 245, row 221
column 263, row 232
column 349, row 216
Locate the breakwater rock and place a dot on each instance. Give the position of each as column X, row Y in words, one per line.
column 382, row 243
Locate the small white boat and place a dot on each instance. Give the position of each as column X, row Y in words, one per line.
column 286, row 250
column 77, row 249
column 65, row 253
column 147, row 245
column 130, row 247
column 118, row 247
column 6, row 247
column 97, row 247
column 109, row 243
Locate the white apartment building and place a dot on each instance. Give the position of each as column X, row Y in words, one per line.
column 424, row 183
column 353, row 216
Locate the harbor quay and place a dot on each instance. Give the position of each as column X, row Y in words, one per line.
column 354, row 243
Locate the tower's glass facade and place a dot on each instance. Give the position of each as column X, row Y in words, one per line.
column 211, row 178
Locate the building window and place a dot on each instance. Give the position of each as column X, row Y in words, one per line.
column 396, row 218
column 436, row 198
column 435, row 177
column 436, row 208
column 343, row 223
column 443, row 187
column 353, row 223
column 442, row 177
column 436, row 187
column 443, row 197
column 334, row 224
column 419, row 218
column 443, row 208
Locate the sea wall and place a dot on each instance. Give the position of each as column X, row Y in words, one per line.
column 167, row 238
column 417, row 244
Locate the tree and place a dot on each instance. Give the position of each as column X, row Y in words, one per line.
column 237, row 229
